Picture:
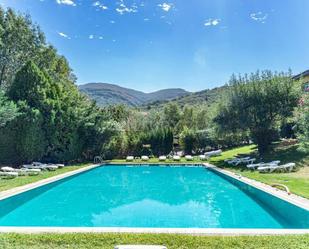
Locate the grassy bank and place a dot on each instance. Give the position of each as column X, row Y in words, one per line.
column 108, row 241
column 6, row 184
column 298, row 182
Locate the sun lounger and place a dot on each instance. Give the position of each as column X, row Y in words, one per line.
column 203, row 157
column 267, row 169
column 130, row 158
column 255, row 165
column 162, row 158
column 60, row 165
column 8, row 175
column 286, row 167
column 176, row 158
column 145, row 158
column 189, row 158
column 8, row 169
column 213, row 153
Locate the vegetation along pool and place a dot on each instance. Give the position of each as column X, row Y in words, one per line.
column 153, row 197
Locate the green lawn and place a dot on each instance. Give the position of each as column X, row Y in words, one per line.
column 298, row 182
column 108, row 241
column 6, row 184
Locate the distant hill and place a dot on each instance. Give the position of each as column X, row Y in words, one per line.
column 208, row 96
column 108, row 94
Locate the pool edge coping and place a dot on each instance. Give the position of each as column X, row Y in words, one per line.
column 188, row 231
column 290, row 198
column 24, row 188
column 183, row 231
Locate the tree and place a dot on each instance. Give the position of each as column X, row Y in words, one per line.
column 259, row 103
column 187, row 140
column 8, row 110
column 171, row 115
column 302, row 123
column 20, row 41
column 22, row 140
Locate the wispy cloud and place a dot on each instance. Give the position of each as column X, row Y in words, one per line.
column 91, row 37
column 259, row 16
column 123, row 8
column 212, row 22
column 100, row 5
column 166, row 6
column 66, row 2
column 63, row 35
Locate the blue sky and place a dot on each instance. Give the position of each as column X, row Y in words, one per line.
column 155, row 44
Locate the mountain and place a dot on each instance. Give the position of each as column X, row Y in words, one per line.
column 208, row 96
column 108, row 94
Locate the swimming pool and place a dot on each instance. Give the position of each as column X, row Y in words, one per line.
column 150, row 197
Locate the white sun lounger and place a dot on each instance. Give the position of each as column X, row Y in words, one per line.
column 145, row 158
column 213, row 153
column 140, row 247
column 267, row 169
column 22, row 172
column 8, row 169
column 287, row 167
column 162, row 158
column 189, row 158
column 8, row 175
column 255, row 165
column 203, row 157
column 130, row 158
column 176, row 158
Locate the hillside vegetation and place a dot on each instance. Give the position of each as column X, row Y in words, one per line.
column 109, row 94
column 207, row 97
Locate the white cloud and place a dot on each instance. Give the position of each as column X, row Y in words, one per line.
column 146, row 19
column 259, row 17
column 63, row 35
column 91, row 37
column 100, row 5
column 112, row 21
column 66, row 2
column 212, row 22
column 165, row 6
column 100, row 37
column 123, row 8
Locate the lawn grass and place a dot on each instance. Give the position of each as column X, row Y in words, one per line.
column 298, row 182
column 6, row 184
column 171, row 241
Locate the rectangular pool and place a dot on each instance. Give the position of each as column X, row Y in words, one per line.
column 150, row 197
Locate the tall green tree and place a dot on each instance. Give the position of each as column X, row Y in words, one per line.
column 8, row 109
column 20, row 41
column 171, row 115
column 302, row 122
column 258, row 103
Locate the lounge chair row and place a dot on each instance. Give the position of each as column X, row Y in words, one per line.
column 164, row 158
column 28, row 170
column 238, row 161
column 261, row 167
column 272, row 167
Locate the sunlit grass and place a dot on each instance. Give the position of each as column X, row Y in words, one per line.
column 171, row 241
column 6, row 184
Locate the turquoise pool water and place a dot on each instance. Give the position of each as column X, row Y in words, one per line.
column 168, row 197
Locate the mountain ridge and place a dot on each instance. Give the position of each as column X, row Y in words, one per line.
column 108, row 94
